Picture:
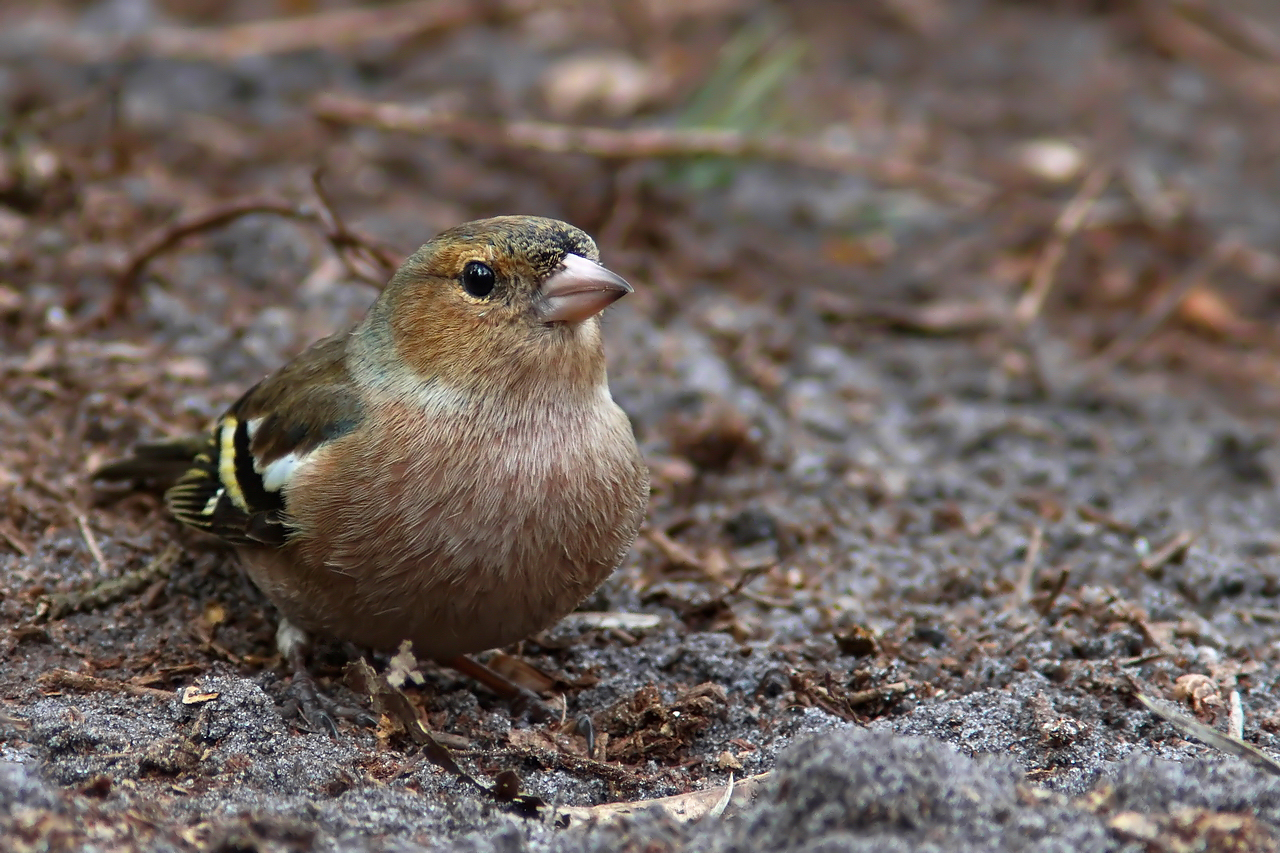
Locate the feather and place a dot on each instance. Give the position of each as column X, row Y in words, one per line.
column 233, row 481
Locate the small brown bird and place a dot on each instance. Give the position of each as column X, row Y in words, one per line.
column 453, row 471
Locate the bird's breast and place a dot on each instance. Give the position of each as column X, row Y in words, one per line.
column 444, row 520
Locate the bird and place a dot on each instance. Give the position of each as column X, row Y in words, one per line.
column 453, row 471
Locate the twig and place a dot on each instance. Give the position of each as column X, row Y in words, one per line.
column 1239, row 50
column 1210, row 736
column 1141, row 659
column 676, row 554
column 62, row 112
column 1018, row 639
column 168, row 237
column 941, row 317
column 1097, row 516
column 1245, row 33
column 14, row 538
column 1021, row 592
column 1026, row 573
column 112, row 589
column 875, row 694
column 604, row 621
column 390, row 701
column 646, row 143
column 92, row 544
column 1068, row 224
column 1060, row 584
column 65, row 678
column 1261, row 614
column 1128, row 343
column 1167, row 553
column 364, row 258
column 1235, row 717
column 328, row 30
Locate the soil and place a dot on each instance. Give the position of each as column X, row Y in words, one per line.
column 960, row 453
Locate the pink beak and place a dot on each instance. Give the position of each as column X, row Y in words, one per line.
column 579, row 290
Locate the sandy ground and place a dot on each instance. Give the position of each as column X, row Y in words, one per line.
column 919, row 539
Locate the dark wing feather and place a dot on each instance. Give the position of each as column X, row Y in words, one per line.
column 303, row 405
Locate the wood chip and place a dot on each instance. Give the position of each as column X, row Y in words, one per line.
column 680, row 807
column 193, row 695
column 609, row 620
column 64, row 678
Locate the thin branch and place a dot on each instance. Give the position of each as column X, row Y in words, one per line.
column 364, row 258
column 646, row 143
column 91, row 543
column 1022, row 593
column 1129, row 342
column 1068, row 224
column 166, row 238
column 1167, row 553
column 327, row 30
column 14, row 538
column 1188, row 727
column 58, row 679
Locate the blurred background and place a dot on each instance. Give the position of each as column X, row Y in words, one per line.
column 901, row 162
column 953, row 349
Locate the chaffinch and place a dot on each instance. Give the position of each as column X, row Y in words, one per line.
column 453, row 471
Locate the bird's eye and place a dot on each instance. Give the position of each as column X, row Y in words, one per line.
column 478, row 279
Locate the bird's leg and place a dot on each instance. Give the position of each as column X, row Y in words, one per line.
column 523, row 700
column 316, row 708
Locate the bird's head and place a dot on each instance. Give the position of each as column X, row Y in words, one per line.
column 508, row 299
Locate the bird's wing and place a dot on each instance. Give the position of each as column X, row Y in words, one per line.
column 235, row 487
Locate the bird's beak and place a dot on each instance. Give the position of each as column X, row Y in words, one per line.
column 579, row 290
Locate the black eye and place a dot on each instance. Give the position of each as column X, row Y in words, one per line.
column 478, row 279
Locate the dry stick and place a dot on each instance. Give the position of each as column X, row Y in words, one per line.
column 1243, row 32
column 340, row 237
column 1058, row 586
column 1168, row 552
column 1207, row 735
column 170, row 236
column 1029, row 563
column 644, row 143
column 111, row 589
column 1021, row 592
column 63, row 112
column 92, row 544
column 328, row 30
column 1262, row 614
column 380, row 261
column 1110, row 522
column 65, row 678
column 1068, row 224
column 1128, row 343
column 15, row 540
column 875, row 694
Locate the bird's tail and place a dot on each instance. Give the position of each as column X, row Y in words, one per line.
column 160, row 464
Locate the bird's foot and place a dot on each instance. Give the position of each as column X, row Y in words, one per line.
column 316, row 708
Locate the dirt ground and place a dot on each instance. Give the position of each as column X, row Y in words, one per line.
column 953, row 352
